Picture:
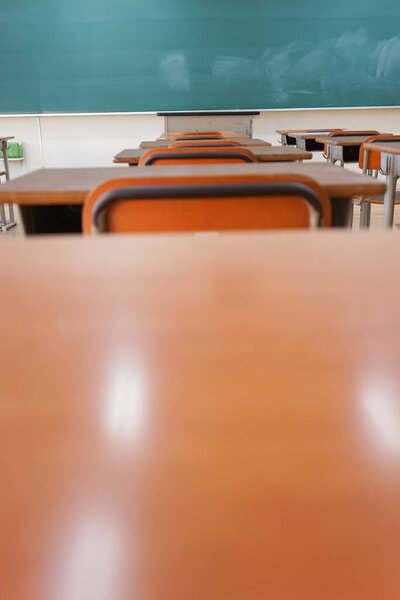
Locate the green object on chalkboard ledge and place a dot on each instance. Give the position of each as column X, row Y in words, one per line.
column 14, row 150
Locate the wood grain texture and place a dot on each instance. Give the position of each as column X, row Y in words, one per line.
column 389, row 147
column 71, row 186
column 162, row 143
column 262, row 153
column 200, row 417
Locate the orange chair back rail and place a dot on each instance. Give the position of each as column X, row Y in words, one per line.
column 206, row 144
column 352, row 132
column 186, row 133
column 193, row 204
column 196, row 156
column 373, row 162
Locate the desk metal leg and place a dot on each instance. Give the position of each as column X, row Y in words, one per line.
column 5, row 159
column 365, row 215
column 11, row 222
column 389, row 197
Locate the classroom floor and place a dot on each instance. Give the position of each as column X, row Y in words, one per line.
column 376, row 217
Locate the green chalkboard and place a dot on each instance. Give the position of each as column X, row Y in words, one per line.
column 166, row 55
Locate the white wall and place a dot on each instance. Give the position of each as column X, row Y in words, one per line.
column 72, row 141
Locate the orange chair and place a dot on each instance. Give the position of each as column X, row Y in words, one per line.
column 213, row 203
column 351, row 132
column 370, row 163
column 372, row 160
column 206, row 144
column 205, row 133
column 196, row 156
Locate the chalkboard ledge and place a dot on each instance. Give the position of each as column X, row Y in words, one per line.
column 209, row 113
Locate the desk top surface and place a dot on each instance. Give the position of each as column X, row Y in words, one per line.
column 200, row 417
column 389, row 147
column 162, row 143
column 309, row 135
column 71, row 186
column 351, row 140
column 263, row 154
column 295, row 131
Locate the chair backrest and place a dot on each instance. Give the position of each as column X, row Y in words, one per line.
column 196, row 156
column 322, row 130
column 214, row 203
column 351, row 132
column 197, row 136
column 206, row 144
column 373, row 159
column 205, row 133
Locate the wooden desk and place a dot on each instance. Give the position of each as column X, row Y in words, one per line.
column 345, row 149
column 307, row 140
column 40, row 194
column 263, row 154
column 127, row 473
column 390, row 165
column 162, row 143
column 289, row 139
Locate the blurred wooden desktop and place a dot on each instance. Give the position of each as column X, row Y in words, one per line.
column 200, row 417
column 41, row 193
column 164, row 143
column 262, row 153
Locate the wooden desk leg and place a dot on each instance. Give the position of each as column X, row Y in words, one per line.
column 389, row 197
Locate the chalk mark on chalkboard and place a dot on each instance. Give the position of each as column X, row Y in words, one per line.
column 175, row 72
column 327, row 68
